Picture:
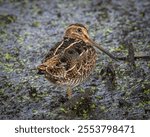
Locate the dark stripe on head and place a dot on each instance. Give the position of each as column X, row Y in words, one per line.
column 78, row 24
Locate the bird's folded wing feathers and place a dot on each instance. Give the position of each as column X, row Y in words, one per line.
column 67, row 56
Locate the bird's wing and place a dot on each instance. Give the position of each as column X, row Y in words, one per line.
column 58, row 48
column 68, row 57
column 78, row 59
column 51, row 63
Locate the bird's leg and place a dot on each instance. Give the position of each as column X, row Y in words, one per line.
column 69, row 92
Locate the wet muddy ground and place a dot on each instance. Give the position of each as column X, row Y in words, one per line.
column 115, row 90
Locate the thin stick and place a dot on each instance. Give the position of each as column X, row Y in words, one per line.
column 124, row 58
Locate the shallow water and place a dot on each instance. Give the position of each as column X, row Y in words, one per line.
column 29, row 28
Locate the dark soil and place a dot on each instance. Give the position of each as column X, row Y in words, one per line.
column 116, row 90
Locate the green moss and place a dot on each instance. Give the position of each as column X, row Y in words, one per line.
column 99, row 97
column 25, row 98
column 81, row 90
column 93, row 106
column 8, row 56
column 1, row 2
column 85, row 114
column 120, row 49
column 38, row 96
column 6, row 64
column 143, row 103
column 102, row 108
column 2, row 32
column 36, row 9
column 93, row 88
column 107, row 31
column 36, row 24
column 149, row 64
column 6, row 19
column 3, row 35
column 63, row 110
column 1, row 91
column 7, row 67
column 147, row 91
column 34, row 111
column 34, row 94
column 20, row 40
column 148, row 102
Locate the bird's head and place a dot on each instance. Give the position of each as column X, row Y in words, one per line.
column 79, row 31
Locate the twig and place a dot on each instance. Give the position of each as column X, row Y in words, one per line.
column 124, row 58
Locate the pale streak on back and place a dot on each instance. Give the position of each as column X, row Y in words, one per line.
column 71, row 45
column 58, row 47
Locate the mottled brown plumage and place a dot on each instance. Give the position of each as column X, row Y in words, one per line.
column 72, row 60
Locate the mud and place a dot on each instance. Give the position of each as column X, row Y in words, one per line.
column 115, row 90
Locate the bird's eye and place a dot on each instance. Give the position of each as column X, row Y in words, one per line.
column 79, row 30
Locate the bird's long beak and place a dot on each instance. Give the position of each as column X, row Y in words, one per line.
column 102, row 49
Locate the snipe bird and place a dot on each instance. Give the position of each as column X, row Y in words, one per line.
column 71, row 60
